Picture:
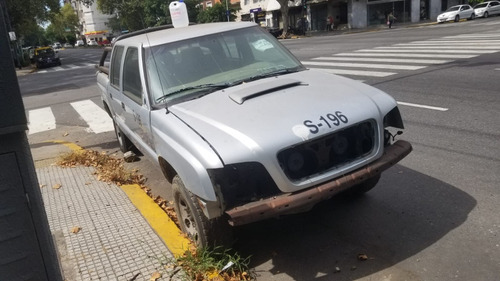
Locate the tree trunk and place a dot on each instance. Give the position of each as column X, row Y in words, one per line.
column 284, row 16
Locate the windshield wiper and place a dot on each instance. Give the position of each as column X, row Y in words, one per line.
column 272, row 74
column 208, row 88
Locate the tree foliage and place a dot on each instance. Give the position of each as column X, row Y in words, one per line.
column 63, row 26
column 25, row 15
column 139, row 14
column 216, row 13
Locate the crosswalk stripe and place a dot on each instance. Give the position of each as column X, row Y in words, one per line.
column 486, row 35
column 97, row 119
column 426, row 43
column 66, row 67
column 364, row 65
column 40, row 120
column 464, row 41
column 439, row 48
column 338, row 58
column 409, row 55
column 355, row 72
column 430, row 51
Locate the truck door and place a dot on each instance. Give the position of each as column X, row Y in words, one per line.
column 134, row 104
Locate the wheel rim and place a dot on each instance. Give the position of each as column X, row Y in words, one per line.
column 486, row 14
column 186, row 219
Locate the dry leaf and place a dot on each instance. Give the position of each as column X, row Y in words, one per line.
column 43, row 185
column 76, row 229
column 57, row 186
column 156, row 275
column 65, row 134
column 362, row 257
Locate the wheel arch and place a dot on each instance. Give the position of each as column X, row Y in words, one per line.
column 168, row 171
column 106, row 108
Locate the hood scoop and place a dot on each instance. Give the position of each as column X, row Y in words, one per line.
column 251, row 90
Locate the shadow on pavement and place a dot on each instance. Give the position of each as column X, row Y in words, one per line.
column 406, row 213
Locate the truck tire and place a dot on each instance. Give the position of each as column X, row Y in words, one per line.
column 124, row 143
column 362, row 188
column 202, row 231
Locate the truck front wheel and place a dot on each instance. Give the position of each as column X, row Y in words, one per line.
column 202, row 231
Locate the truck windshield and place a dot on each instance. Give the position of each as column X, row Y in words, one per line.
column 183, row 69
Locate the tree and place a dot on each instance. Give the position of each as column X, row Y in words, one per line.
column 284, row 16
column 139, row 14
column 216, row 13
column 24, row 15
column 63, row 25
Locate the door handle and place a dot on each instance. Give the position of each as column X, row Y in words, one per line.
column 123, row 106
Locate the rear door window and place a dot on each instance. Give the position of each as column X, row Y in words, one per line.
column 114, row 77
column 132, row 86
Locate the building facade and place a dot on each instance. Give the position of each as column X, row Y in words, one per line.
column 345, row 13
column 92, row 23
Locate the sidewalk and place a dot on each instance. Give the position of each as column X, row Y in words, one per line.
column 99, row 233
column 373, row 28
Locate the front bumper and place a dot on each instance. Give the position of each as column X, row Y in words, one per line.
column 445, row 19
column 293, row 202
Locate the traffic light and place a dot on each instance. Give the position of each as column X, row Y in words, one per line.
column 304, row 4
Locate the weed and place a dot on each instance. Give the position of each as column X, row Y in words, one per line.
column 212, row 265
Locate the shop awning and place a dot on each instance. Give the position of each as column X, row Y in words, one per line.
column 96, row 32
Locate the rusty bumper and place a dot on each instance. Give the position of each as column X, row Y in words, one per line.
column 290, row 202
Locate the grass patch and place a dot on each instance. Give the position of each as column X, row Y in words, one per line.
column 216, row 264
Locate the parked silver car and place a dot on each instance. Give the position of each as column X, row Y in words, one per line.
column 487, row 9
column 455, row 13
column 242, row 130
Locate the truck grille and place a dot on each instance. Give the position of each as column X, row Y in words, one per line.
column 328, row 152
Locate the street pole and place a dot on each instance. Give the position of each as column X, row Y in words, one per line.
column 227, row 11
column 27, row 251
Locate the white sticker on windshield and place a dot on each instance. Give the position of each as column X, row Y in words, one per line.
column 262, row 45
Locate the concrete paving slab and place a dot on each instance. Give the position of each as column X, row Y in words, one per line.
column 113, row 241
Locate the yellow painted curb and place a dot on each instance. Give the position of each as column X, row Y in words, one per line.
column 68, row 144
column 164, row 227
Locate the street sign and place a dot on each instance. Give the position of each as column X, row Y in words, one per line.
column 256, row 10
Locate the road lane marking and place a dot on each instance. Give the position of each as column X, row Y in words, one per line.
column 338, row 58
column 41, row 120
column 364, row 65
column 97, row 119
column 423, row 106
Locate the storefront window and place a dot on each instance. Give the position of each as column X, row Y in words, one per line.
column 379, row 9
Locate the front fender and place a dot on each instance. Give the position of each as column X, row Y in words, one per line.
column 188, row 154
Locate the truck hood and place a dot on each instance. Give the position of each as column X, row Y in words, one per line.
column 262, row 117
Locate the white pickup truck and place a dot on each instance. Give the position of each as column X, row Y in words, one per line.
column 242, row 130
